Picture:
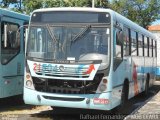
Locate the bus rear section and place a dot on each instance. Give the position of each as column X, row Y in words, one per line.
column 67, row 60
column 11, row 53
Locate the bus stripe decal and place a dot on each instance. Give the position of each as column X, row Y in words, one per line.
column 136, row 91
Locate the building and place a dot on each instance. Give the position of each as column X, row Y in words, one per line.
column 155, row 29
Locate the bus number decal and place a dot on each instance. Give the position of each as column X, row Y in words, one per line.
column 35, row 67
column 51, row 69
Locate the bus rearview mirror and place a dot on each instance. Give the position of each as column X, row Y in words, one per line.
column 26, row 34
column 5, row 36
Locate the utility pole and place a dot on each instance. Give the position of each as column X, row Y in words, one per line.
column 92, row 3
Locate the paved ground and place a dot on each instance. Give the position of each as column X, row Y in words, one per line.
column 149, row 111
column 139, row 107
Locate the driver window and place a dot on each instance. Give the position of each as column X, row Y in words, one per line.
column 118, row 48
column 126, row 41
column 119, row 43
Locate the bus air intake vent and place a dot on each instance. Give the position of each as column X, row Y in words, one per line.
column 67, row 86
column 63, row 98
column 66, row 72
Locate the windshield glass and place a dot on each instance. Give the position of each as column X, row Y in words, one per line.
column 67, row 41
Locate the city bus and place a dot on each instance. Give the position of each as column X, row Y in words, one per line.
column 12, row 52
column 90, row 58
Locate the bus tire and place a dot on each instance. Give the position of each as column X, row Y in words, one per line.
column 146, row 91
column 57, row 110
column 124, row 95
column 121, row 109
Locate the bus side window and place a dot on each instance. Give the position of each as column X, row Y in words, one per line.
column 150, row 48
column 133, row 43
column 154, row 47
column 126, row 41
column 145, row 47
column 140, row 44
column 10, row 41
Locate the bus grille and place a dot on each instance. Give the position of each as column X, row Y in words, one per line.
column 67, row 86
column 67, row 72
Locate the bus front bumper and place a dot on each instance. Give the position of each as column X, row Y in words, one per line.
column 86, row 101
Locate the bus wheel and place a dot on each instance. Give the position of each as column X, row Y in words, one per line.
column 146, row 86
column 124, row 95
column 122, row 109
column 57, row 110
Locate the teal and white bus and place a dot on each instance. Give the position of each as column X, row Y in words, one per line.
column 11, row 52
column 87, row 58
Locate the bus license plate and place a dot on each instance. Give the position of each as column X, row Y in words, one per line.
column 100, row 101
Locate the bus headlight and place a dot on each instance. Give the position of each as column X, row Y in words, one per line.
column 29, row 83
column 102, row 87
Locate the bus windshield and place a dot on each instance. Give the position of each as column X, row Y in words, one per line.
column 61, row 42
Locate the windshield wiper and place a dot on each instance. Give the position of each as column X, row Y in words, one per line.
column 81, row 33
column 51, row 34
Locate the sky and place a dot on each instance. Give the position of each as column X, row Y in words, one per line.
column 156, row 22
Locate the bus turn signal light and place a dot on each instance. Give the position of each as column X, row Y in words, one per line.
column 105, row 81
column 28, row 77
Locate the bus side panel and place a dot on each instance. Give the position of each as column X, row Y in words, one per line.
column 138, row 76
column 122, row 73
column 11, row 72
column 149, row 69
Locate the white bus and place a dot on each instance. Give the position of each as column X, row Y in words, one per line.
column 87, row 58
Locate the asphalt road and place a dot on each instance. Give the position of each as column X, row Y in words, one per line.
column 15, row 109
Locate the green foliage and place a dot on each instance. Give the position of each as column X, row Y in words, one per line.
column 78, row 3
column 6, row 3
column 101, row 3
column 30, row 5
column 143, row 12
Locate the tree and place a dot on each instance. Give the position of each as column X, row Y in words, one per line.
column 31, row 5
column 102, row 4
column 143, row 12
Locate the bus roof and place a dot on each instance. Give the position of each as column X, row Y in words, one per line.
column 134, row 26
column 114, row 14
column 7, row 12
column 74, row 9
